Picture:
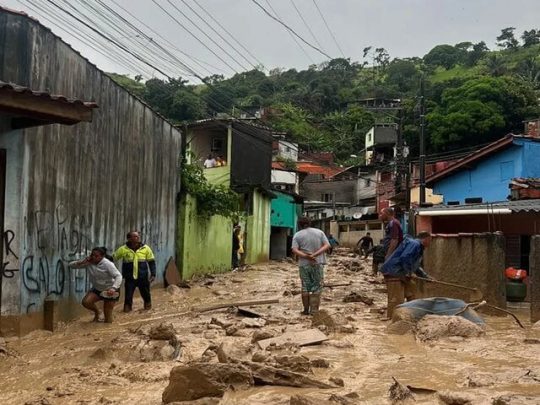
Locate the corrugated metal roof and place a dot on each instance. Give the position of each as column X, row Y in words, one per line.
column 45, row 95
column 523, row 206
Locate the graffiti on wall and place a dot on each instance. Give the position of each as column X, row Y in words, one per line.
column 10, row 259
column 49, row 241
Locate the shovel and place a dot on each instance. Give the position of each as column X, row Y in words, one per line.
column 476, row 293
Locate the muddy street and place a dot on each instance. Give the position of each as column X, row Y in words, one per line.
column 355, row 361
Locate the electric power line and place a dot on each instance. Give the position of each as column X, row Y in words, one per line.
column 109, row 22
column 206, row 35
column 290, row 29
column 107, row 38
column 197, row 61
column 194, row 36
column 306, row 24
column 230, row 35
column 219, row 35
column 328, row 28
column 119, row 45
column 86, row 39
column 290, row 34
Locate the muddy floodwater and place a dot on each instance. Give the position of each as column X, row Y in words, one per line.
column 95, row 363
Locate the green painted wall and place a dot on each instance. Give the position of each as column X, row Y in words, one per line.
column 205, row 245
column 258, row 230
column 218, row 175
column 284, row 211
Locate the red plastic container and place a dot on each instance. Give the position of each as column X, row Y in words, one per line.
column 515, row 274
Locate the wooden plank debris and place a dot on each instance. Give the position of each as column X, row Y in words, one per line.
column 301, row 338
column 332, row 285
column 236, row 304
column 250, row 313
column 172, row 276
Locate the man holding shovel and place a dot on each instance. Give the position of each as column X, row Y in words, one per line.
column 398, row 270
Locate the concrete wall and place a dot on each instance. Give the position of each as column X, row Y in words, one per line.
column 258, row 230
column 205, row 244
column 475, row 261
column 366, row 187
column 288, row 150
column 345, row 190
column 430, row 196
column 351, row 232
column 73, row 187
column 534, row 280
column 284, row 177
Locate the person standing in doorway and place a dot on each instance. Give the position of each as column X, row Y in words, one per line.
column 106, row 281
column 235, row 248
column 309, row 245
column 364, row 244
column 393, row 234
column 138, row 269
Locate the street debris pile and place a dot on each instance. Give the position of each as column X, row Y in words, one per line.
column 433, row 327
column 239, row 338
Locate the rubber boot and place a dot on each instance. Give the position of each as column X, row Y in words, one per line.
column 127, row 308
column 305, row 303
column 148, row 305
column 314, row 302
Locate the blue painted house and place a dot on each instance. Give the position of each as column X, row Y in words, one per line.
column 285, row 209
column 487, row 172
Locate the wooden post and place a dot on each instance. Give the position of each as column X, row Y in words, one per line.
column 50, row 314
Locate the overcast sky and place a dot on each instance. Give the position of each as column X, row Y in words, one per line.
column 404, row 27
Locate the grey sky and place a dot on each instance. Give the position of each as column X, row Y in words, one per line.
column 403, row 27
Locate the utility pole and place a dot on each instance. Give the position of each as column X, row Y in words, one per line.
column 399, row 158
column 422, row 160
column 333, row 206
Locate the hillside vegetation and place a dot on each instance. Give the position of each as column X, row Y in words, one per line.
column 474, row 95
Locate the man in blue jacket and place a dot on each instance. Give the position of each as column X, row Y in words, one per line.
column 399, row 268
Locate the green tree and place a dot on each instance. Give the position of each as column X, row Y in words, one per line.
column 134, row 86
column 496, row 65
column 446, row 56
column 174, row 99
column 529, row 70
column 403, row 74
column 480, row 110
column 530, row 38
column 507, row 40
column 478, row 51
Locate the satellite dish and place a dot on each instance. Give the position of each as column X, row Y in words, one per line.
column 357, row 215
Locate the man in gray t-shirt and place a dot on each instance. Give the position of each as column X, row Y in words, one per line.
column 309, row 245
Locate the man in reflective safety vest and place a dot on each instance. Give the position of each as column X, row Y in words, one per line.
column 138, row 269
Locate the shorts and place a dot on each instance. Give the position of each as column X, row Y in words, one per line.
column 98, row 293
column 312, row 277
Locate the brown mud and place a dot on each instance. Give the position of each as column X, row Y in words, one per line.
column 129, row 362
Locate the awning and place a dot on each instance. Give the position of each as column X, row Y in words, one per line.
column 495, row 208
column 436, row 213
column 28, row 107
